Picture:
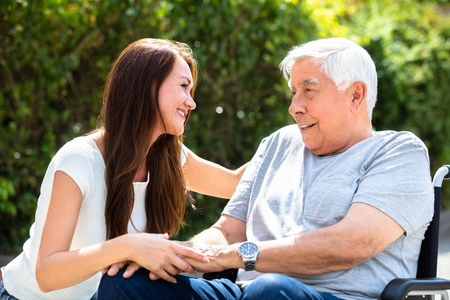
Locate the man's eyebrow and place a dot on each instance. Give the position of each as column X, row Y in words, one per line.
column 312, row 80
column 309, row 81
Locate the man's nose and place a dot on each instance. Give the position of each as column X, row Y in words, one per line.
column 297, row 106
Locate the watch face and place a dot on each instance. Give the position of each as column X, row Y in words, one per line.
column 248, row 249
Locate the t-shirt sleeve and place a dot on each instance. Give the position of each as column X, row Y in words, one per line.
column 75, row 159
column 398, row 183
column 238, row 205
column 184, row 154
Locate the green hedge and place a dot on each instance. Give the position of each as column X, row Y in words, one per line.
column 55, row 56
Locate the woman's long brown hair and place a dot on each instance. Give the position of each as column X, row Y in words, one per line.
column 129, row 115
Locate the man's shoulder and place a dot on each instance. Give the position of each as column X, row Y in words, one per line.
column 281, row 140
column 403, row 138
column 287, row 132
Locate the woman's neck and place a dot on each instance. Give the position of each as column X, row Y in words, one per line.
column 142, row 173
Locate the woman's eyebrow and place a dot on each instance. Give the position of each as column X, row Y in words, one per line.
column 185, row 77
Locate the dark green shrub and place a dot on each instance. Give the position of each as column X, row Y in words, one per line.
column 412, row 54
column 55, row 56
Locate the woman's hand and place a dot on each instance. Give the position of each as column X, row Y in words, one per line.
column 114, row 269
column 162, row 257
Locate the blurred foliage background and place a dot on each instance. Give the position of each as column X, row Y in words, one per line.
column 55, row 56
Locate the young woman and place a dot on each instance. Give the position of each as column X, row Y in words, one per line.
column 117, row 194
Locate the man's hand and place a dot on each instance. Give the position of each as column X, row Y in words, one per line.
column 221, row 257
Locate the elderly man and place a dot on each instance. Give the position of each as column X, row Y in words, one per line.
column 327, row 208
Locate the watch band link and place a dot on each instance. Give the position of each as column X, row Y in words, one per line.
column 249, row 266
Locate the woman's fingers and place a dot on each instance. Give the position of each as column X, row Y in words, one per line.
column 132, row 267
column 191, row 253
column 162, row 274
column 153, row 276
column 162, row 257
column 183, row 266
column 114, row 269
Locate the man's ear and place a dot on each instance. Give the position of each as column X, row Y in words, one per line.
column 359, row 93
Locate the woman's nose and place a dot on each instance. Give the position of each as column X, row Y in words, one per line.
column 190, row 103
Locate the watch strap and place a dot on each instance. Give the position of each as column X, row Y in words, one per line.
column 250, row 265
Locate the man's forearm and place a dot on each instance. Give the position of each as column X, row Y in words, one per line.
column 226, row 231
column 362, row 234
column 210, row 236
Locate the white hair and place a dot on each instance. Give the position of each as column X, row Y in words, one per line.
column 343, row 61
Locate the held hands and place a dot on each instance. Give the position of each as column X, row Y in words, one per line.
column 156, row 253
column 219, row 257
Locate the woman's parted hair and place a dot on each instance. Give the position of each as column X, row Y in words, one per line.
column 343, row 61
column 129, row 115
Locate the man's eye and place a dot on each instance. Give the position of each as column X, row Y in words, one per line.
column 292, row 93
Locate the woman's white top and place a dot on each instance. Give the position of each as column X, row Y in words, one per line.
column 83, row 162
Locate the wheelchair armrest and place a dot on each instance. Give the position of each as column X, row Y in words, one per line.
column 400, row 287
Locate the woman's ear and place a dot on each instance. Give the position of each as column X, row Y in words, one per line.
column 359, row 93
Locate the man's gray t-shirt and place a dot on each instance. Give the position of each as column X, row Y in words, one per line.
column 287, row 190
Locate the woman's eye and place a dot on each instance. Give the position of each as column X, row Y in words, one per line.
column 184, row 85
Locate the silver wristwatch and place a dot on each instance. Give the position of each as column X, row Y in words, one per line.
column 248, row 251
